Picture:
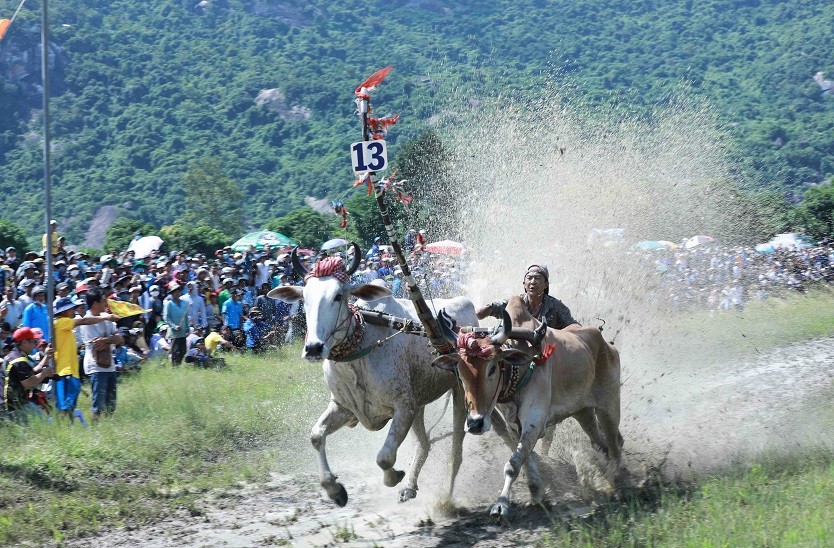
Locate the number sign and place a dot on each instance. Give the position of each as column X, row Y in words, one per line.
column 369, row 156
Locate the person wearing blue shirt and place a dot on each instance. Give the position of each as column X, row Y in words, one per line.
column 374, row 252
column 256, row 330
column 233, row 310
column 36, row 314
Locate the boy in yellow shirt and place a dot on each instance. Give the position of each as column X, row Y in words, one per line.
column 68, row 377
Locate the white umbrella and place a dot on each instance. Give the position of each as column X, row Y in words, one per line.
column 700, row 239
column 335, row 242
column 143, row 247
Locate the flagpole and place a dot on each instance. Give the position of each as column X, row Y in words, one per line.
column 47, row 186
column 430, row 325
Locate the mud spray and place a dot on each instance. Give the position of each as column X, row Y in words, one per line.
column 530, row 181
column 536, row 182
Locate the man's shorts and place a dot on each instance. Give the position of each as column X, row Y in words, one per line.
column 66, row 392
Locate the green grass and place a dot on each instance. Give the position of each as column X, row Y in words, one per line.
column 780, row 502
column 176, row 433
column 795, row 317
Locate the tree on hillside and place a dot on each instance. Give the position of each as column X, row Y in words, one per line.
column 816, row 211
column 364, row 218
column 212, row 199
column 118, row 236
column 193, row 238
column 14, row 236
column 309, row 227
column 423, row 162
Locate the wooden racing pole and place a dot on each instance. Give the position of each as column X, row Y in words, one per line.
column 430, row 325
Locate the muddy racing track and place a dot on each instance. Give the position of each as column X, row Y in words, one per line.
column 679, row 420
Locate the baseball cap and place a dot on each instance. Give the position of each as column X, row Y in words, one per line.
column 23, row 334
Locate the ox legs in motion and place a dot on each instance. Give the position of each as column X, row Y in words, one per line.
column 387, row 456
column 419, row 428
column 333, row 418
column 502, row 507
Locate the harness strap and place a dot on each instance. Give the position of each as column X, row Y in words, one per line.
column 513, row 387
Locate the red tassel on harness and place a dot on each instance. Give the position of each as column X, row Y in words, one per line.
column 468, row 344
column 546, row 353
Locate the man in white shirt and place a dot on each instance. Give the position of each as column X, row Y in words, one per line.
column 99, row 364
column 13, row 308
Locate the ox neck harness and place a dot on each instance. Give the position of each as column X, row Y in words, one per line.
column 514, row 380
column 346, row 350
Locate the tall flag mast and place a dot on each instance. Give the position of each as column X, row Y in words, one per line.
column 370, row 156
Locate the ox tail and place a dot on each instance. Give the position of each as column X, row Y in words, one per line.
column 611, row 342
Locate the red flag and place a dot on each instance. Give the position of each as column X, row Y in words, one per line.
column 379, row 126
column 372, row 82
column 365, row 179
column 4, row 26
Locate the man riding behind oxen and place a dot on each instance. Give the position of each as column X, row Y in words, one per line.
column 538, row 301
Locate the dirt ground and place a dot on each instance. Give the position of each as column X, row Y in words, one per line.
column 677, row 422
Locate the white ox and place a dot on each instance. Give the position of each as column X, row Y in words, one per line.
column 393, row 381
column 578, row 375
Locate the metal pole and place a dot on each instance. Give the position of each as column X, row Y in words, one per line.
column 47, row 185
column 429, row 322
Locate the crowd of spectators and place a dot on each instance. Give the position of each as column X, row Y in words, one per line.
column 718, row 277
column 177, row 306
column 114, row 312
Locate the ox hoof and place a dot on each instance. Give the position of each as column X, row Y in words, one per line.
column 535, row 493
column 500, row 510
column 392, row 477
column 407, row 494
column 337, row 493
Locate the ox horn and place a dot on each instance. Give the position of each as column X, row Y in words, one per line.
column 296, row 263
column 357, row 256
column 447, row 324
column 539, row 333
column 504, row 333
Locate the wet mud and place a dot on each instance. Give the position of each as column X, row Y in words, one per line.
column 678, row 423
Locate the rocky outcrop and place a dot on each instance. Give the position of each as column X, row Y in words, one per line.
column 274, row 99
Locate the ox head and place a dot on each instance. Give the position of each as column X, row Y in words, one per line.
column 479, row 363
column 326, row 293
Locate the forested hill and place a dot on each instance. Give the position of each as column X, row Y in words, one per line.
column 144, row 88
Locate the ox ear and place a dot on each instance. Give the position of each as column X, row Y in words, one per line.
column 370, row 292
column 447, row 362
column 286, row 293
column 514, row 356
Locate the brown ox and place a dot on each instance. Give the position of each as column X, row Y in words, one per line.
column 579, row 378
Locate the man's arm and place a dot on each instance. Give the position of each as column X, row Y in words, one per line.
column 493, row 309
column 92, row 320
column 42, row 372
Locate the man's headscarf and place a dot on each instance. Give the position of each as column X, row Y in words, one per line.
column 543, row 272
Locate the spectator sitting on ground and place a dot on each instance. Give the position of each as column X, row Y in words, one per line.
column 158, row 344
column 200, row 356
column 214, row 340
column 257, row 331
